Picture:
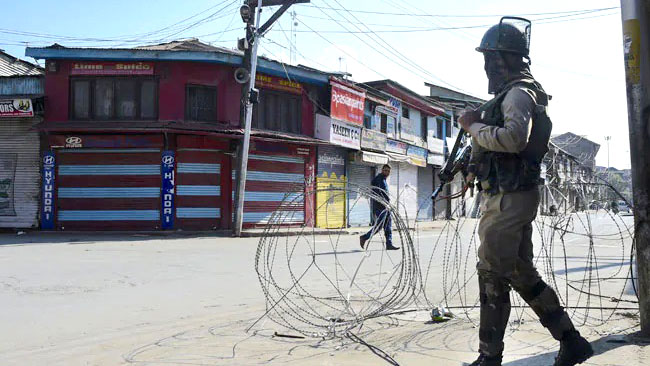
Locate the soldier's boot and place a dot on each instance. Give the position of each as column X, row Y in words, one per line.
column 574, row 349
column 484, row 360
column 543, row 300
column 495, row 311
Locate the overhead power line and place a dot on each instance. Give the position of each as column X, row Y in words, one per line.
column 458, row 15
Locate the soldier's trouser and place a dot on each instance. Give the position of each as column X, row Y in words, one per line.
column 506, row 260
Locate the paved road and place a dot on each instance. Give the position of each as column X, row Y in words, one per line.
column 84, row 299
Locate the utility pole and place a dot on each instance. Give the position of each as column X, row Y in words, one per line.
column 607, row 138
column 636, row 30
column 249, row 94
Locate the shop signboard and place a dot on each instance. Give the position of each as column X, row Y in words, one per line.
column 435, row 145
column 407, row 129
column 337, row 132
column 167, row 170
column 279, row 84
column 112, row 68
column 417, row 155
column 397, row 147
column 436, row 159
column 347, row 103
column 11, row 108
column 47, row 194
column 373, row 140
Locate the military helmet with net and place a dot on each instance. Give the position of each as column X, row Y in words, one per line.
column 512, row 34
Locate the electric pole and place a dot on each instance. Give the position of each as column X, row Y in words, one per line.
column 607, row 138
column 250, row 95
column 636, row 30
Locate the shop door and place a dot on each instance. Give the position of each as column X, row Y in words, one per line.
column 275, row 187
column 19, row 174
column 199, row 201
column 359, row 206
column 425, row 189
column 408, row 195
column 108, row 189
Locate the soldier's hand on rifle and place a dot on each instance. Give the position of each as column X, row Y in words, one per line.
column 468, row 118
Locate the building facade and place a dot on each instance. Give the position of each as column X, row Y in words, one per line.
column 21, row 108
column 146, row 139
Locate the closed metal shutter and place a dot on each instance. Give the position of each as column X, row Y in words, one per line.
column 359, row 208
column 330, row 187
column 19, row 174
column 199, row 198
column 425, row 189
column 275, row 187
column 108, row 189
column 408, row 195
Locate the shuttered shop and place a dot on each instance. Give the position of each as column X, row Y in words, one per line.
column 19, row 173
column 359, row 206
column 199, row 198
column 108, row 189
column 408, row 197
column 425, row 189
column 330, row 187
column 275, row 187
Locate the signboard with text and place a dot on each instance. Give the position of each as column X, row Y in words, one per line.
column 167, row 170
column 16, row 108
column 112, row 68
column 47, row 194
column 417, row 155
column 338, row 133
column 279, row 84
column 373, row 140
column 347, row 103
column 407, row 129
column 397, row 147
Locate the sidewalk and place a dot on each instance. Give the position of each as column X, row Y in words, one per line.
column 357, row 230
column 247, row 233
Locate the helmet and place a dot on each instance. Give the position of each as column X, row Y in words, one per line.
column 507, row 37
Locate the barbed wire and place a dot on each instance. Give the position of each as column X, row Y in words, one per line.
column 317, row 286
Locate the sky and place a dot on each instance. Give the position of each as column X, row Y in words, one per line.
column 576, row 46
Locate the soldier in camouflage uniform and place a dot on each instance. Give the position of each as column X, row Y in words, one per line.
column 510, row 135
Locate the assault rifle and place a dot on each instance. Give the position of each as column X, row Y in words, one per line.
column 456, row 162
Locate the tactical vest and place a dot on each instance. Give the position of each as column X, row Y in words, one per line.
column 511, row 172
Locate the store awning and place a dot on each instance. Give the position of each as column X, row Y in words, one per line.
column 374, row 158
column 398, row 157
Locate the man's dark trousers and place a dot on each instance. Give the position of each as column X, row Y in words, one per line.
column 382, row 219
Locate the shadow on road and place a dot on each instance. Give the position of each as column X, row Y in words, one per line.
column 601, row 346
column 28, row 238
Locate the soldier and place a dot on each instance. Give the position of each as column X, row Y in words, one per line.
column 510, row 135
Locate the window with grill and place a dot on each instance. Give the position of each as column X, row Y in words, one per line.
column 201, row 103
column 277, row 111
column 105, row 98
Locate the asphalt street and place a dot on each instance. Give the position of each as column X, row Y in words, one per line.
column 120, row 299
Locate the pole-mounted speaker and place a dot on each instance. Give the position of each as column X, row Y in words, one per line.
column 242, row 75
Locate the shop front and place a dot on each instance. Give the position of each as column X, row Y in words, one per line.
column 278, row 184
column 346, row 137
column 19, row 163
column 363, row 167
column 342, row 130
column 103, row 182
column 330, row 187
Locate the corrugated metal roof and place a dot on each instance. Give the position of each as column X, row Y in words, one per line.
column 11, row 66
column 191, row 44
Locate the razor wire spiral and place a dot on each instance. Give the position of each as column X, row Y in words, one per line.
column 319, row 287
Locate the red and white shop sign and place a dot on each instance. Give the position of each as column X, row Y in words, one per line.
column 347, row 104
column 16, row 108
column 112, row 68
